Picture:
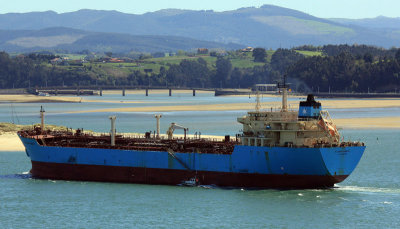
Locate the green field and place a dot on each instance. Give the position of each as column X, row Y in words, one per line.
column 310, row 53
column 238, row 60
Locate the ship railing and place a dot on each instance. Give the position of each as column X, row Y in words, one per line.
column 142, row 137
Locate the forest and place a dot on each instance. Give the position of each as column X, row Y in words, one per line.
column 339, row 68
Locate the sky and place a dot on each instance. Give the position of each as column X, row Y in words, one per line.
column 318, row 8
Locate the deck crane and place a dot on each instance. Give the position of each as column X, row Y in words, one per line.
column 173, row 127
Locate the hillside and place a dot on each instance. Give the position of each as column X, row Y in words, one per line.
column 268, row 26
column 73, row 40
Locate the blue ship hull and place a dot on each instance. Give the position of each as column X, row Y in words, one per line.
column 246, row 166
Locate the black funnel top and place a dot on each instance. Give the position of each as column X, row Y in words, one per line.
column 310, row 98
column 310, row 102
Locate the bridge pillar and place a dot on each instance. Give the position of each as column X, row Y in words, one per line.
column 170, row 92
column 194, row 92
column 147, row 92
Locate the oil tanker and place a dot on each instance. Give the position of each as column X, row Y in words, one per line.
column 279, row 149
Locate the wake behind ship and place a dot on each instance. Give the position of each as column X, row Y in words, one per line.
column 278, row 149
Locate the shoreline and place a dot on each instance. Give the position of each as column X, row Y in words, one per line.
column 9, row 141
column 28, row 98
column 266, row 106
column 336, row 103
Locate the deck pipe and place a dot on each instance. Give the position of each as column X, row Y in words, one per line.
column 42, row 118
column 112, row 118
column 158, row 116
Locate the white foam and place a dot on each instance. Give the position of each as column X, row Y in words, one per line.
column 368, row 189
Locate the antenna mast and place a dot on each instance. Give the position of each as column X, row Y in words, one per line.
column 284, row 88
column 258, row 104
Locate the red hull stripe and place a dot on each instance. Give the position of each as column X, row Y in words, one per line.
column 58, row 171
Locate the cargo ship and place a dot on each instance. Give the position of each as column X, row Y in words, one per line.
column 278, row 149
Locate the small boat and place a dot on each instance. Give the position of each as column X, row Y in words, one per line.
column 190, row 183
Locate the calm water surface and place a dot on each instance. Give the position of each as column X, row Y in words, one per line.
column 369, row 198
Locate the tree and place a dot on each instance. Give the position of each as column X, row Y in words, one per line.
column 284, row 58
column 224, row 70
column 368, row 57
column 397, row 55
column 260, row 55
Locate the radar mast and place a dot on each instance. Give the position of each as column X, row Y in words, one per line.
column 284, row 88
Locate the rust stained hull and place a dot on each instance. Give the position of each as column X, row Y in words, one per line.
column 101, row 173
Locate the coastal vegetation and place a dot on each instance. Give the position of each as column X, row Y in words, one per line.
column 340, row 68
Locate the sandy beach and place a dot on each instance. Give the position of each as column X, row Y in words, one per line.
column 369, row 123
column 10, row 142
column 38, row 99
column 327, row 104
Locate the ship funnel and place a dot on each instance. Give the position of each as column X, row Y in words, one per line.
column 309, row 108
column 42, row 118
column 158, row 116
column 112, row 132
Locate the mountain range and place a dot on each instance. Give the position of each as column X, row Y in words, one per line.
column 63, row 39
column 171, row 29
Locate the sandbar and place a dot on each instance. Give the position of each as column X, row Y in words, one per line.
column 10, row 142
column 369, row 123
column 329, row 104
column 38, row 99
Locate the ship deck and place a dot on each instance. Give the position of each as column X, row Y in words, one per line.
column 138, row 142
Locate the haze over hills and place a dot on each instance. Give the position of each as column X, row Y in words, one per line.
column 380, row 22
column 268, row 26
column 72, row 40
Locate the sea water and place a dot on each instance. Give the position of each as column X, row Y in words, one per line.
column 368, row 198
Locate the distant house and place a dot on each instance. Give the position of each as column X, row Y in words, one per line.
column 56, row 61
column 60, row 61
column 111, row 60
column 202, row 51
column 116, row 60
column 248, row 49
